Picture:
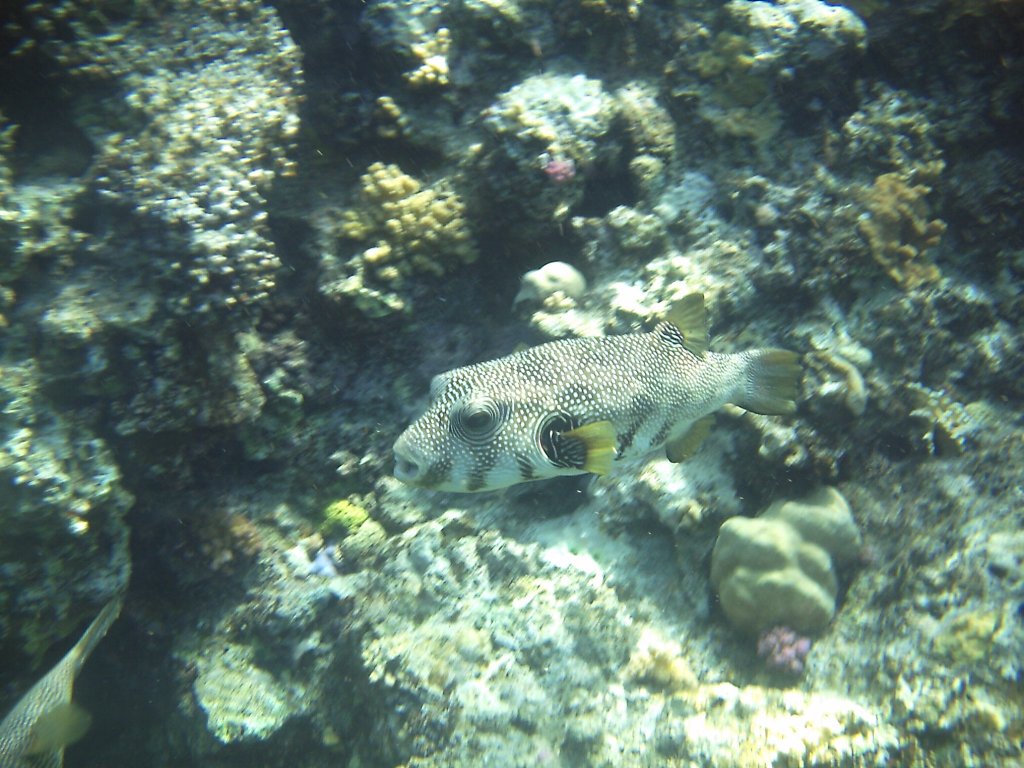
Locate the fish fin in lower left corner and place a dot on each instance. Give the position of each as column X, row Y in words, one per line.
column 55, row 729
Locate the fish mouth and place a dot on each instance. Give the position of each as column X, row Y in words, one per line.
column 409, row 468
column 407, row 471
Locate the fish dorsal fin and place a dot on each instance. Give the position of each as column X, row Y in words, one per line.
column 93, row 634
column 686, row 324
column 590, row 447
column 684, row 446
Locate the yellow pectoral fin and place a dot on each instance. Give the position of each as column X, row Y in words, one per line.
column 684, row 446
column 55, row 729
column 598, row 440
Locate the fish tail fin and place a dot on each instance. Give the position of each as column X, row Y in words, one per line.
column 771, row 381
column 96, row 631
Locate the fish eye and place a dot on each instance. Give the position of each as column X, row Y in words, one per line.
column 550, row 428
column 476, row 421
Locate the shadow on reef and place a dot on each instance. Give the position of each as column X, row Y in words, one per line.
column 36, row 97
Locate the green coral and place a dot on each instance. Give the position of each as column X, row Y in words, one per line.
column 343, row 517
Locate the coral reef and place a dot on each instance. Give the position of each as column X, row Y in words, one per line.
column 761, row 51
column 241, row 701
column 545, row 119
column 237, row 239
column 65, row 539
column 191, row 150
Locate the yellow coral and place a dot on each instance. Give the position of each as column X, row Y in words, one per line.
column 899, row 231
column 433, row 55
column 659, row 663
column 343, row 517
column 391, row 121
column 410, row 229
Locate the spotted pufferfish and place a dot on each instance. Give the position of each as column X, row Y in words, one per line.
column 575, row 406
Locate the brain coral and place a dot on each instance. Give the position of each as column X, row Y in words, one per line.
column 778, row 569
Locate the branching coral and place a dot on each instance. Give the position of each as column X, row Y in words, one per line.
column 433, row 57
column 899, row 231
column 412, row 229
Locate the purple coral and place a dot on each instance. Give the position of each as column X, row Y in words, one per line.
column 783, row 649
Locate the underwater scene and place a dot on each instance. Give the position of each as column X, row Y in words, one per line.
column 511, row 383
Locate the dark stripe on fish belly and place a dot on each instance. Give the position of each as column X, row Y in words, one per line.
column 642, row 407
column 437, row 473
column 662, row 434
column 484, row 464
column 525, row 467
column 626, row 438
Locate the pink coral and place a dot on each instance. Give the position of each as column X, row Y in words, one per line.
column 560, row 169
column 783, row 649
